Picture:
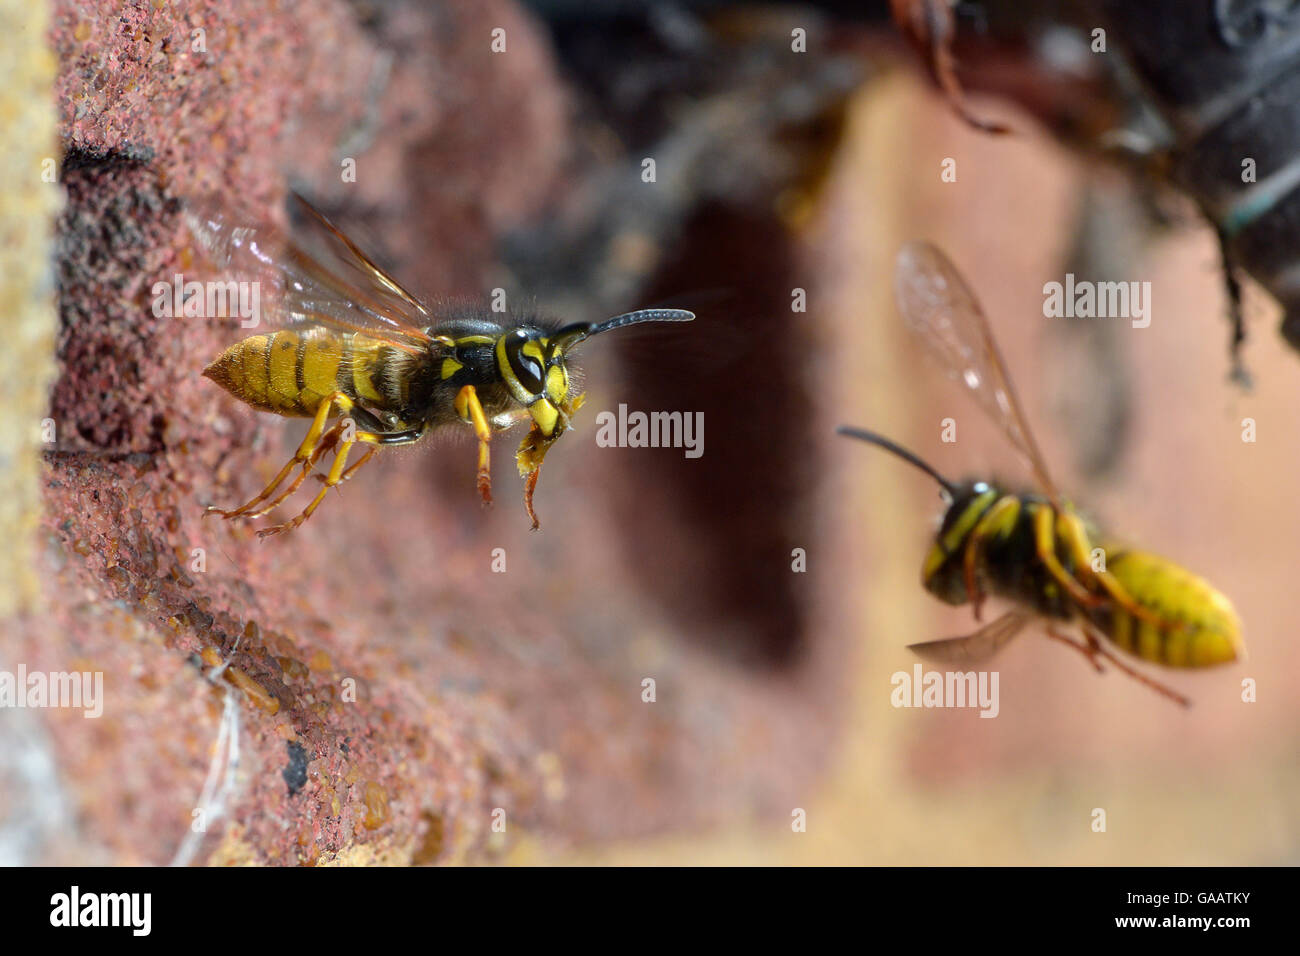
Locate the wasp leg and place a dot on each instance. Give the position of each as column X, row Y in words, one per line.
column 302, row 457
column 352, row 468
column 1085, row 648
column 470, row 410
column 1045, row 547
column 932, row 26
column 243, row 509
column 1236, row 310
column 382, row 438
column 335, row 476
column 530, row 486
column 1075, row 536
column 999, row 519
column 327, row 442
column 532, row 451
column 1096, row 646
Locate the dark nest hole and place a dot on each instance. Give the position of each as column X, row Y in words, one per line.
column 713, row 537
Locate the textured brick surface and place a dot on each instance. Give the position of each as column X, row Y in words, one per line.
column 474, row 691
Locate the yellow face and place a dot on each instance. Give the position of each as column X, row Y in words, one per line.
column 532, row 366
column 942, row 575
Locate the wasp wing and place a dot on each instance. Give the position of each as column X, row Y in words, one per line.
column 334, row 285
column 973, row 648
column 938, row 305
column 394, row 302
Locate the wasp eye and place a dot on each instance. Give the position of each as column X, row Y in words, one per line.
column 525, row 366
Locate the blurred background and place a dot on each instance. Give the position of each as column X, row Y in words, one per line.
column 795, row 149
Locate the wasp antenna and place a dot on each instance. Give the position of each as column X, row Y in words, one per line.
column 571, row 335
column 901, row 452
column 642, row 315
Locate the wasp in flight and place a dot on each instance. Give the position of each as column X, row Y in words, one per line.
column 345, row 340
column 1032, row 548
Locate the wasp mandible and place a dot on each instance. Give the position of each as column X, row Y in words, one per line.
column 1032, row 547
column 347, row 341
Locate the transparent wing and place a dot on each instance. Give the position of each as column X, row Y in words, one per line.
column 938, row 305
column 318, row 277
column 343, row 259
column 973, row 648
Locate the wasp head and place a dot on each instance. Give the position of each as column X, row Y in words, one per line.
column 944, row 572
column 532, row 364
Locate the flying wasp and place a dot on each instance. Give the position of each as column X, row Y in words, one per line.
column 346, row 341
column 1032, row 548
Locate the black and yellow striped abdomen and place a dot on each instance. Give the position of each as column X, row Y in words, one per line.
column 1199, row 626
column 291, row 372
